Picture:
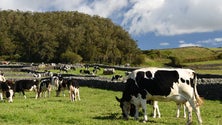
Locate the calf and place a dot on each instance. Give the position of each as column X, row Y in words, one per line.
column 5, row 89
column 73, row 89
column 161, row 84
column 62, row 86
column 45, row 86
column 23, row 85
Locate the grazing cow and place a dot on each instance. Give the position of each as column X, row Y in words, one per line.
column 116, row 77
column 108, row 71
column 84, row 71
column 64, row 68
column 160, row 84
column 5, row 89
column 45, row 86
column 73, row 89
column 23, row 85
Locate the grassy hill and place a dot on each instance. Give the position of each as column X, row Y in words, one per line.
column 204, row 60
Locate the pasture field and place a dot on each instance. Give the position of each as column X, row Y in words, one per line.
column 97, row 107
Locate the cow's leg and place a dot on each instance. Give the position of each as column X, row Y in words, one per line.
column 184, row 111
column 144, row 108
column 136, row 116
column 189, row 109
column 178, row 110
column 1, row 96
column 63, row 91
column 36, row 95
column 78, row 94
column 156, row 109
column 24, row 94
column 11, row 96
column 196, row 110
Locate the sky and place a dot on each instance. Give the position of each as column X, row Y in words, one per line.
column 153, row 24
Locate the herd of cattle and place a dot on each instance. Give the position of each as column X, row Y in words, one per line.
column 41, row 86
column 142, row 85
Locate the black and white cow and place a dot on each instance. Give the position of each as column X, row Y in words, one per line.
column 62, row 86
column 5, row 89
column 116, row 77
column 44, row 86
column 23, row 85
column 160, row 84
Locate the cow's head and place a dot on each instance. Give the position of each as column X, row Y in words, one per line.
column 125, row 107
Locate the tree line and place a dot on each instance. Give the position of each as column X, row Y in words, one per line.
column 67, row 37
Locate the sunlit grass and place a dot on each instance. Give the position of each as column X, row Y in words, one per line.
column 97, row 107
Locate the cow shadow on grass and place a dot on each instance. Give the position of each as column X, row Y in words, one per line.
column 116, row 116
column 110, row 116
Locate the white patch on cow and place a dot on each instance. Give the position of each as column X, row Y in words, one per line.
column 11, row 95
column 1, row 96
column 2, row 78
column 33, row 88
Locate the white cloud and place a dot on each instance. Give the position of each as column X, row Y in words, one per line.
column 218, row 39
column 164, row 17
column 104, row 8
column 181, row 41
column 164, row 44
column 172, row 17
column 188, row 45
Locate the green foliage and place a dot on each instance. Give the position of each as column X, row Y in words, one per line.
column 70, row 57
column 45, row 37
column 175, row 62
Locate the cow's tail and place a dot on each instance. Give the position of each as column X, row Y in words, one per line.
column 199, row 100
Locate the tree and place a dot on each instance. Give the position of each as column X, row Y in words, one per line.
column 70, row 57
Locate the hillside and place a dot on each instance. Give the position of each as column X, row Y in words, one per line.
column 204, row 60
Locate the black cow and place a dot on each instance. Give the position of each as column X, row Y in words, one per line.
column 23, row 85
column 160, row 84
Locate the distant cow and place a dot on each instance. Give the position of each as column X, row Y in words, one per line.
column 160, row 84
column 44, row 86
column 108, row 71
column 116, row 77
column 26, row 85
column 73, row 89
column 62, row 86
column 5, row 89
column 84, row 71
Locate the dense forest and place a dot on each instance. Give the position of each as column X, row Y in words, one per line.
column 66, row 37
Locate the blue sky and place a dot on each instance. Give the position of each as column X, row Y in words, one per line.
column 154, row 24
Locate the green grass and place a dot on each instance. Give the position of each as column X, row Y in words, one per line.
column 97, row 107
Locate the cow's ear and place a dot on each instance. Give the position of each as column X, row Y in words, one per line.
column 119, row 100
